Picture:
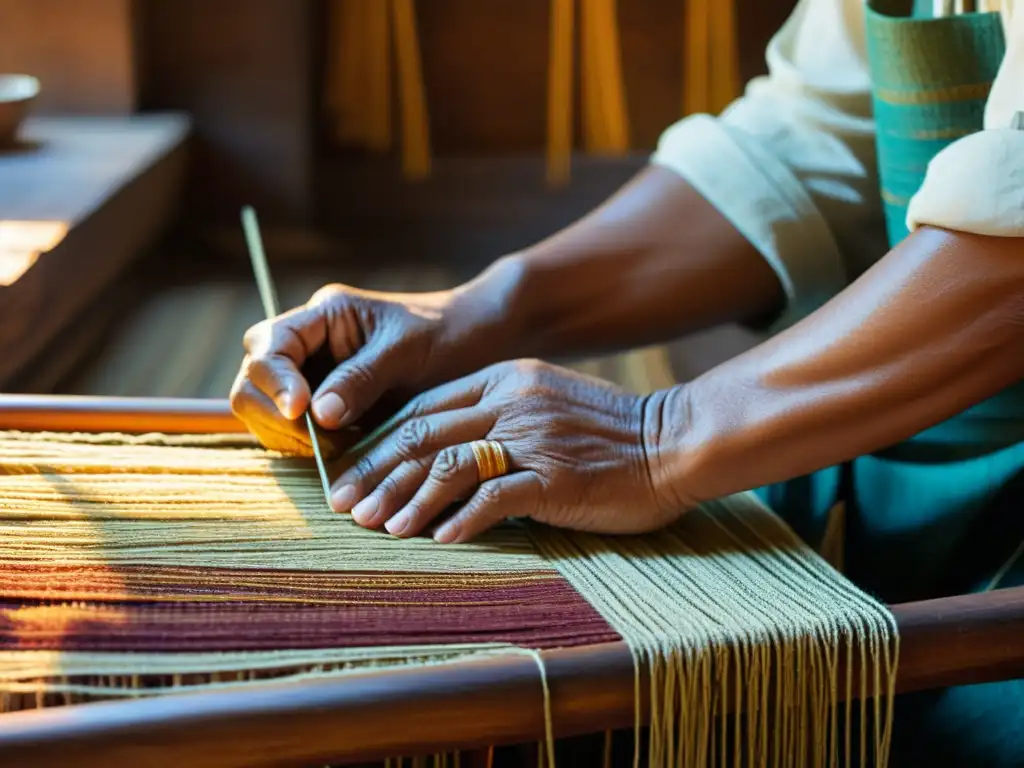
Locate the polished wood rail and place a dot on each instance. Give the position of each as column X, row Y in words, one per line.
column 383, row 713
column 55, row 413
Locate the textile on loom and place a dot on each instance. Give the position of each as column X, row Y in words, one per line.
column 143, row 565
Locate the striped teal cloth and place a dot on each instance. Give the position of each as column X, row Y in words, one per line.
column 931, row 80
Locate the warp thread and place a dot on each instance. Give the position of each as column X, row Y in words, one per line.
column 739, row 631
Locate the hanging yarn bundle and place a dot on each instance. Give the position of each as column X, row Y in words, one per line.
column 148, row 565
column 359, row 77
column 711, row 71
column 605, row 115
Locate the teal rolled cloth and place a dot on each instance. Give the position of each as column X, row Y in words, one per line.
column 930, row 81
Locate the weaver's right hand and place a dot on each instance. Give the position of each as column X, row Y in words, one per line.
column 379, row 344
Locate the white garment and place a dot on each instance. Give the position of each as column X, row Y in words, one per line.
column 792, row 163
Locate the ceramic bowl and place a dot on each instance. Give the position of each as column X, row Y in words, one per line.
column 17, row 92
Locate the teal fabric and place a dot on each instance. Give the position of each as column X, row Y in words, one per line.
column 931, row 79
column 931, row 512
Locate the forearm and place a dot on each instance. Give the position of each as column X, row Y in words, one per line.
column 932, row 329
column 654, row 262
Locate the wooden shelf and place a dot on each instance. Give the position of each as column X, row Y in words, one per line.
column 80, row 198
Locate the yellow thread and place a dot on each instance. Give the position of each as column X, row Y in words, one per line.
column 415, row 127
column 696, row 96
column 732, row 621
column 560, row 79
column 606, row 123
column 945, row 94
column 724, row 71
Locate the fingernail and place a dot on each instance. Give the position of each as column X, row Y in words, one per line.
column 344, row 498
column 364, row 512
column 397, row 524
column 329, row 409
column 446, row 534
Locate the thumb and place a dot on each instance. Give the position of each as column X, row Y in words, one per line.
column 355, row 385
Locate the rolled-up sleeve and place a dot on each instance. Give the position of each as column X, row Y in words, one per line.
column 976, row 184
column 792, row 163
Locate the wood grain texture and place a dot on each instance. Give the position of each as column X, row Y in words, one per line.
column 116, row 183
column 47, row 413
column 83, row 51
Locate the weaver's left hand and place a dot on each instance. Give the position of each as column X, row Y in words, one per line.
column 579, row 452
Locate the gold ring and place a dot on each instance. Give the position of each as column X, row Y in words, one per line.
column 491, row 459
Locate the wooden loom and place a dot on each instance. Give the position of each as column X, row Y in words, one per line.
column 377, row 715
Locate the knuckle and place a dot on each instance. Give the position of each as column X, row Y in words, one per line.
column 242, row 398
column 257, row 335
column 446, row 465
column 239, row 401
column 365, row 467
column 413, row 436
column 326, row 293
column 260, row 368
column 529, row 367
column 355, row 376
column 487, row 495
column 388, row 486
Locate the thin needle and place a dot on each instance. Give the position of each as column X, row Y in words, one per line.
column 268, row 295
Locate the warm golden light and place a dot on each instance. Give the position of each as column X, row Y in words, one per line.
column 23, row 242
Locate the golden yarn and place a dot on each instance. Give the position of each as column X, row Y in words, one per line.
column 748, row 641
column 359, row 95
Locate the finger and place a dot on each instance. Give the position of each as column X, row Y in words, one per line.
column 392, row 494
column 355, row 385
column 452, row 476
column 277, row 378
column 262, row 419
column 372, row 369
column 277, row 350
column 494, row 501
column 416, row 438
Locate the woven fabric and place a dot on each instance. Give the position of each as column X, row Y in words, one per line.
column 149, row 565
column 930, row 82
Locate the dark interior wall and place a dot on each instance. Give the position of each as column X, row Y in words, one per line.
column 250, row 71
column 81, row 50
column 486, row 67
column 244, row 70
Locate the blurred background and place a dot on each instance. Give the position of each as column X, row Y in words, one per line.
column 388, row 144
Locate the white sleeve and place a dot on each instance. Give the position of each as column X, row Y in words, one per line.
column 976, row 184
column 792, row 163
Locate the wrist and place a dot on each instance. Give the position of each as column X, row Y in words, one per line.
column 480, row 323
column 679, row 450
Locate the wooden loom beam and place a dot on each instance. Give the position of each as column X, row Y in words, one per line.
column 950, row 641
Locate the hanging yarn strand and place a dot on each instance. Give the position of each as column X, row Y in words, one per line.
column 415, row 123
column 696, row 57
column 723, row 72
column 378, row 76
column 605, row 117
column 359, row 98
column 595, row 138
column 711, row 72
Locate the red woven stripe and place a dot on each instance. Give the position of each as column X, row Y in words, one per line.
column 149, row 583
column 203, row 609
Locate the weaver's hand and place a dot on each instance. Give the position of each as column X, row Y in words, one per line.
column 377, row 343
column 580, row 455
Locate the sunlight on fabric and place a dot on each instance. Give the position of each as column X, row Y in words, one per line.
column 23, row 242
